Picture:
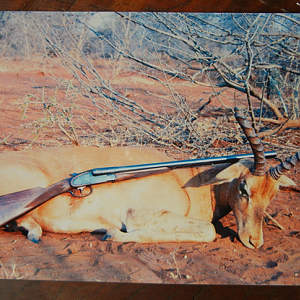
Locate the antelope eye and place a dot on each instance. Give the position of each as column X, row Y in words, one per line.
column 243, row 188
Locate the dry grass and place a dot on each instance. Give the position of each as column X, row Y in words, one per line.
column 10, row 272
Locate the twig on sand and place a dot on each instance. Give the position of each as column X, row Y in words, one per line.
column 274, row 221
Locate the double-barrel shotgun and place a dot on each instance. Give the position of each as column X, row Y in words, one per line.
column 14, row 205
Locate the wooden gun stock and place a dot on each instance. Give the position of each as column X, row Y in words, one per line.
column 17, row 204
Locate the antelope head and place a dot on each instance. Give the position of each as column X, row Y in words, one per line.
column 251, row 191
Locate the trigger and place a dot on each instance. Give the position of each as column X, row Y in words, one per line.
column 82, row 191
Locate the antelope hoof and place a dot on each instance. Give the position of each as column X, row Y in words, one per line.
column 33, row 237
column 110, row 234
column 34, row 230
column 35, row 234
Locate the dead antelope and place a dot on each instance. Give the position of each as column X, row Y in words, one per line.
column 176, row 206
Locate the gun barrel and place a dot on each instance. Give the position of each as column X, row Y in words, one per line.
column 179, row 164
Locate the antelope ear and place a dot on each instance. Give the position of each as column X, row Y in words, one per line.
column 287, row 185
column 232, row 172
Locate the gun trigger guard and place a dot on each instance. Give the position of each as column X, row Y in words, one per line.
column 78, row 192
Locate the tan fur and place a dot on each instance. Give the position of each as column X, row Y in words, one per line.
column 176, row 206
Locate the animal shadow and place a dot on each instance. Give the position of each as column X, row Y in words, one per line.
column 225, row 232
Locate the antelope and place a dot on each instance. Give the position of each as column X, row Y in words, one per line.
column 176, row 206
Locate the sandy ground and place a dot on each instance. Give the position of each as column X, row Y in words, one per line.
column 84, row 257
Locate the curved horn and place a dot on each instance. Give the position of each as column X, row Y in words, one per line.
column 259, row 168
column 285, row 166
